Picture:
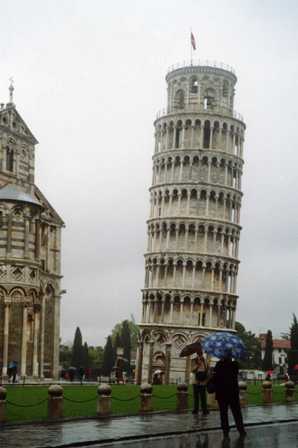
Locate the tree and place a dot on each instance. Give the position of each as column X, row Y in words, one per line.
column 77, row 349
column 134, row 332
column 267, row 361
column 95, row 357
column 85, row 356
column 293, row 352
column 126, row 342
column 108, row 357
column 65, row 355
column 253, row 347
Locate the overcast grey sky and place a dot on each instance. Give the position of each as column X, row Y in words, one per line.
column 89, row 78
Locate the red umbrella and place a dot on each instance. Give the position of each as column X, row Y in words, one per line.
column 191, row 348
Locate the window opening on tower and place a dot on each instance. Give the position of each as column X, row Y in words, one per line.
column 206, row 135
column 177, row 137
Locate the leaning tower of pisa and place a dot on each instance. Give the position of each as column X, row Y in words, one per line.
column 192, row 260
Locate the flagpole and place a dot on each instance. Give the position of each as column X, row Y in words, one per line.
column 190, row 47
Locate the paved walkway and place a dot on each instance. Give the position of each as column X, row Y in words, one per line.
column 113, row 430
column 283, row 435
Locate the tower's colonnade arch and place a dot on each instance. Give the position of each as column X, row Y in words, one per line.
column 191, row 263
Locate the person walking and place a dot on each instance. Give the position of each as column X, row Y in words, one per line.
column 200, row 377
column 225, row 380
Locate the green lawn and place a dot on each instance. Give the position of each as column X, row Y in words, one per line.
column 81, row 400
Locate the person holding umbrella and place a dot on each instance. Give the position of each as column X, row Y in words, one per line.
column 200, row 377
column 200, row 372
column 225, row 377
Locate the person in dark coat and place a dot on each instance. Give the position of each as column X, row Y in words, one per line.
column 227, row 393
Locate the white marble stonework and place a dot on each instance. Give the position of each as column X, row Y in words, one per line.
column 30, row 251
column 191, row 262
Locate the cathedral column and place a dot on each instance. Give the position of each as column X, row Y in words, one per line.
column 35, row 343
column 24, row 342
column 42, row 331
column 9, row 234
column 57, row 300
column 26, row 238
column 5, row 338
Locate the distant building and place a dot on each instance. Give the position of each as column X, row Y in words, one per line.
column 30, row 255
column 280, row 352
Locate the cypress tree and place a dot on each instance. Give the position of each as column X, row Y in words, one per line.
column 267, row 361
column 108, row 357
column 126, row 341
column 293, row 352
column 86, row 359
column 77, row 349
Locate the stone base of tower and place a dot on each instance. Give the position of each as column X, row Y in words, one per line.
column 159, row 349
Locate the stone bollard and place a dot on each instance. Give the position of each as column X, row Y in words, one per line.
column 290, row 391
column 146, row 398
column 267, row 392
column 55, row 401
column 104, row 401
column 243, row 393
column 2, row 404
column 182, row 397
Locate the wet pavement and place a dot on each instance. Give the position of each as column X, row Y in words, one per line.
column 270, row 436
column 144, row 427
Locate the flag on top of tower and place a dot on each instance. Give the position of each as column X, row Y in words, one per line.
column 193, row 41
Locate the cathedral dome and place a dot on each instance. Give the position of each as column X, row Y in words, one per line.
column 14, row 193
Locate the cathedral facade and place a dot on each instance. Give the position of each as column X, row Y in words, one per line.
column 191, row 263
column 30, row 257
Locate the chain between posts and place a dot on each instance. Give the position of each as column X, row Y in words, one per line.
column 11, row 403
column 125, row 399
column 80, row 401
column 164, row 398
